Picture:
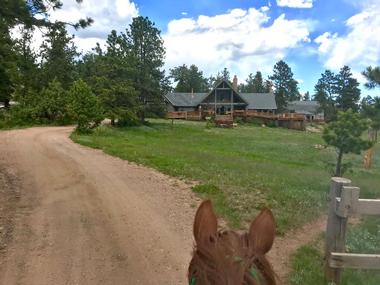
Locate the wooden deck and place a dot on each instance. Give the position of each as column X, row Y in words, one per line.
column 287, row 120
column 184, row 115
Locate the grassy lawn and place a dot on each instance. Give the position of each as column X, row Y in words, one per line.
column 241, row 169
column 307, row 262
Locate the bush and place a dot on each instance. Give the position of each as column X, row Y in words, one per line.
column 52, row 105
column 128, row 118
column 239, row 120
column 271, row 124
column 84, row 107
column 46, row 107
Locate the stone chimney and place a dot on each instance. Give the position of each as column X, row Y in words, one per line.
column 235, row 83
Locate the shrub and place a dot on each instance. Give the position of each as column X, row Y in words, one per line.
column 52, row 104
column 84, row 107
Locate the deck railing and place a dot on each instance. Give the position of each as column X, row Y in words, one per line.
column 199, row 115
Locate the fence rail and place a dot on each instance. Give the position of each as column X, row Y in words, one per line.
column 237, row 113
column 344, row 202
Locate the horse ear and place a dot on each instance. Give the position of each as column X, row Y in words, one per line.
column 261, row 233
column 205, row 223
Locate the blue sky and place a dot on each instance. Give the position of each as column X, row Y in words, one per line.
column 247, row 35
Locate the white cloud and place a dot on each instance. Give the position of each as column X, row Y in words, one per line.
column 358, row 48
column 295, row 3
column 107, row 15
column 184, row 13
column 241, row 40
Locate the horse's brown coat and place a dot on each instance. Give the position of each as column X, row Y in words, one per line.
column 226, row 257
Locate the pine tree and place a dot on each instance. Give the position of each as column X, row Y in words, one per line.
column 84, row 107
column 148, row 52
column 345, row 134
column 258, row 84
column 27, row 79
column 373, row 77
column 7, row 65
column 371, row 109
column 286, row 87
column 58, row 57
column 326, row 92
column 348, row 93
column 109, row 74
column 188, row 79
column 254, row 84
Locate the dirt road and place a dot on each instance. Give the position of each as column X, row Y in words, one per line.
column 84, row 217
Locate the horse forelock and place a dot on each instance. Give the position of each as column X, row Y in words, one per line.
column 225, row 259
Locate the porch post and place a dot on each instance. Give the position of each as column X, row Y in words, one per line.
column 215, row 103
column 232, row 104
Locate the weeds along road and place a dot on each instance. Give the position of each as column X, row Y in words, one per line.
column 84, row 217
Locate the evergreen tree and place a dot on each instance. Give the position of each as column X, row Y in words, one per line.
column 348, row 93
column 371, row 109
column 27, row 79
column 221, row 75
column 188, row 79
column 31, row 13
column 306, row 97
column 286, row 88
column 373, row 77
column 58, row 57
column 148, row 52
column 7, row 65
column 268, row 86
column 52, row 104
column 109, row 74
column 254, row 84
column 34, row 13
column 326, row 91
column 258, row 83
column 84, row 107
column 224, row 74
column 345, row 134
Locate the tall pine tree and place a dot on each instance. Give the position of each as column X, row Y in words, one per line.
column 286, row 87
column 148, row 52
column 58, row 54
column 28, row 75
column 325, row 93
column 348, row 93
column 188, row 79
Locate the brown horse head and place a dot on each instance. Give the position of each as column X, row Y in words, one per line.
column 227, row 257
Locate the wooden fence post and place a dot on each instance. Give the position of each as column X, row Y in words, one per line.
column 336, row 228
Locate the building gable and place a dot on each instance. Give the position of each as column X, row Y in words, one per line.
column 223, row 93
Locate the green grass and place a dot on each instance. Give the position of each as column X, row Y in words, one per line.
column 307, row 262
column 243, row 169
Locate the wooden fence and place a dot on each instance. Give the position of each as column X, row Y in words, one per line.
column 344, row 202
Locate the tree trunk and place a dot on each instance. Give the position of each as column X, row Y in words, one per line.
column 338, row 170
column 142, row 116
column 6, row 104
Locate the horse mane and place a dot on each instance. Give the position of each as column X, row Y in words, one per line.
column 227, row 257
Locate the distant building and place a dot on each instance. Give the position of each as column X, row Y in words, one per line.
column 223, row 98
column 311, row 109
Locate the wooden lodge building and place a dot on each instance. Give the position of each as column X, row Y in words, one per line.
column 223, row 99
column 227, row 103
